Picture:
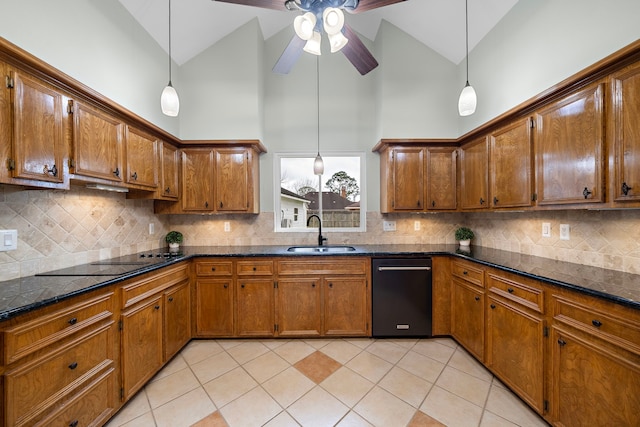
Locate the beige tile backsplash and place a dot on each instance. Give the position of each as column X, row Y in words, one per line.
column 58, row 229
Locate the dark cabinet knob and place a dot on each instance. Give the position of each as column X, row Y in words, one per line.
column 53, row 171
column 331, row 285
column 157, row 307
column 418, row 203
column 510, row 290
column 226, row 286
column 167, row 190
column 313, row 285
column 495, row 200
column 73, row 423
column 433, row 203
column 221, row 205
column 213, row 269
column 242, row 286
column 170, row 299
column 73, row 366
column 117, row 172
column 477, row 298
column 481, row 201
column 596, row 323
column 72, row 321
column 135, row 176
column 625, row 188
column 586, row 193
column 206, row 204
column 465, row 272
column 562, row 342
column 493, row 306
column 254, row 269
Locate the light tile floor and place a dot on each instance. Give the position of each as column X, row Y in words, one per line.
column 338, row 382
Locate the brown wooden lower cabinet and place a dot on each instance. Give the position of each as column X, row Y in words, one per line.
column 467, row 316
column 299, row 307
column 255, row 307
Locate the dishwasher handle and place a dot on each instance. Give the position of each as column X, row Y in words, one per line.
column 404, row 268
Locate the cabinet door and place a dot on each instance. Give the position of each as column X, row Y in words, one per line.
column 570, row 149
column 407, row 179
column 593, row 384
column 142, row 158
column 38, row 130
column 255, row 307
column 510, row 165
column 169, row 158
column 142, row 353
column 177, row 318
column 467, row 317
column 232, row 180
column 298, row 307
column 441, row 178
column 474, row 174
column 345, row 306
column 515, row 350
column 626, row 128
column 197, row 179
column 214, row 307
column 97, row 144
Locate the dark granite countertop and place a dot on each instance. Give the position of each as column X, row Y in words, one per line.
column 27, row 293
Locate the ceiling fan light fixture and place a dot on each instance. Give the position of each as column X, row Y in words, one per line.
column 337, row 41
column 304, row 25
column 169, row 101
column 313, row 44
column 468, row 101
column 333, row 20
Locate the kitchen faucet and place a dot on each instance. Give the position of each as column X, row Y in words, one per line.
column 320, row 238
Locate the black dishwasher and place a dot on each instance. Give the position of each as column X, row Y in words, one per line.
column 401, row 297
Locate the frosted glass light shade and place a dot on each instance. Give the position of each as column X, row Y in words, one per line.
column 467, row 101
column 337, row 41
column 304, row 25
column 313, row 44
column 333, row 20
column 169, row 101
column 318, row 165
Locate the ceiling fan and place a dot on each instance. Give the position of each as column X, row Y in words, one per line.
column 319, row 14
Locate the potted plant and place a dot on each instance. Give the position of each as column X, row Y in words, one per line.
column 464, row 236
column 174, row 238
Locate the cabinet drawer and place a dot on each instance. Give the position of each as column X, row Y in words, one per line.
column 617, row 330
column 255, row 268
column 92, row 406
column 525, row 295
column 26, row 338
column 152, row 284
column 468, row 272
column 351, row 266
column 34, row 387
column 214, row 268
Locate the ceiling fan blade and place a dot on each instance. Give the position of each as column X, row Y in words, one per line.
column 357, row 53
column 266, row 4
column 290, row 55
column 365, row 5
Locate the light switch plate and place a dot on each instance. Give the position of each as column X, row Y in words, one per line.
column 565, row 232
column 416, row 225
column 227, row 226
column 546, row 229
column 8, row 240
column 389, row 225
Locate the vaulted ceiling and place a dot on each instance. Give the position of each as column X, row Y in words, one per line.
column 198, row 24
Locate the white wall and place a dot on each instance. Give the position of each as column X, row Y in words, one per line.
column 98, row 43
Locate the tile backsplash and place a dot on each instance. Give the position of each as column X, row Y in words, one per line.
column 58, row 229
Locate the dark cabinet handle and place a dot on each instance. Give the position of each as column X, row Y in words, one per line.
column 477, row 298
column 586, row 193
column 135, row 176
column 72, row 321
column 493, row 306
column 206, row 204
column 242, row 286
column 157, row 307
column 596, row 323
column 226, row 286
column 221, row 205
column 213, row 269
column 433, row 203
column 418, row 203
column 254, row 269
column 495, row 200
column 465, row 272
column 73, row 423
column 73, row 366
column 331, row 285
column 313, row 285
column 170, row 299
column 625, row 188
column 510, row 290
column 117, row 172
column 167, row 190
column 481, row 201
column 53, row 171
column 562, row 342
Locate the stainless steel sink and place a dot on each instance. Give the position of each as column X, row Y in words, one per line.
column 323, row 249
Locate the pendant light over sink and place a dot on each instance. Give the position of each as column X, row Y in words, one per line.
column 318, row 163
column 169, row 100
column 468, row 99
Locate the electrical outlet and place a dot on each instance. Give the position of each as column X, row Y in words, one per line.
column 152, row 228
column 227, row 226
column 389, row 225
column 546, row 229
column 416, row 225
column 565, row 232
column 8, row 240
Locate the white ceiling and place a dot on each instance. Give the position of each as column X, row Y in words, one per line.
column 198, row 24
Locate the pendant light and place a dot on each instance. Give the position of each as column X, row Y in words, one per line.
column 468, row 99
column 318, row 163
column 169, row 100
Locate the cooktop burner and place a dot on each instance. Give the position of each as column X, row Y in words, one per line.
column 116, row 266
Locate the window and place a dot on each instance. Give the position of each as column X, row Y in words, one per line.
column 336, row 196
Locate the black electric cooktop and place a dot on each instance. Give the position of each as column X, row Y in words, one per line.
column 117, row 266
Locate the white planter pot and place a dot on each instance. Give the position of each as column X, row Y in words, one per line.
column 174, row 247
column 465, row 242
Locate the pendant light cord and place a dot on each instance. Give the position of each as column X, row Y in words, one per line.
column 169, row 42
column 466, row 31
column 318, row 97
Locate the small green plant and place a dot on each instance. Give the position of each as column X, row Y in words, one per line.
column 464, row 233
column 174, row 237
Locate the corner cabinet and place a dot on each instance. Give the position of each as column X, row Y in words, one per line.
column 417, row 176
column 218, row 177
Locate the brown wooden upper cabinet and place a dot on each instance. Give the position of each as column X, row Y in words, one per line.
column 510, row 165
column 474, row 174
column 169, row 181
column 569, row 140
column 233, row 184
column 417, row 178
column 142, row 159
column 626, row 134
column 97, row 144
column 197, row 179
column 34, row 120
